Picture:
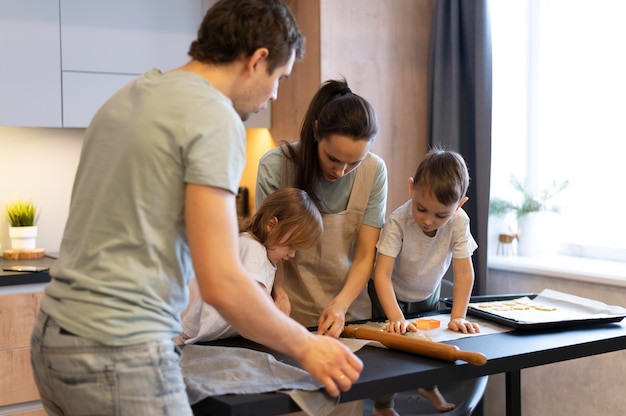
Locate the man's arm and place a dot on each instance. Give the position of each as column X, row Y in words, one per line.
column 211, row 222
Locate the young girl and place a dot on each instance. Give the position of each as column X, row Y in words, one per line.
column 288, row 220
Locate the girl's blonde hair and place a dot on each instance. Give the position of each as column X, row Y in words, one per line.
column 296, row 213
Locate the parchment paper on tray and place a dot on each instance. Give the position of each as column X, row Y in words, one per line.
column 550, row 306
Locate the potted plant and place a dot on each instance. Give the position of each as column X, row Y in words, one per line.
column 22, row 216
column 529, row 202
column 526, row 211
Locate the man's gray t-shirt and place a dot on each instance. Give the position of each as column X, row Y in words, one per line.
column 124, row 264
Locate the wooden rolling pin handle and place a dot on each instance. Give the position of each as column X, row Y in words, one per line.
column 476, row 358
column 438, row 350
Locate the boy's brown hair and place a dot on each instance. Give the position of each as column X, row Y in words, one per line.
column 444, row 174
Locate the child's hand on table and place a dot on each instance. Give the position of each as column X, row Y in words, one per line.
column 400, row 326
column 463, row 325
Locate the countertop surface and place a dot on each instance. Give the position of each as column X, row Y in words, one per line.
column 12, row 278
column 386, row 370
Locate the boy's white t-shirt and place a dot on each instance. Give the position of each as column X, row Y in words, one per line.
column 201, row 321
column 422, row 261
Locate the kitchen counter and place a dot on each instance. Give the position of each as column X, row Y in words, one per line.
column 12, row 278
column 20, row 295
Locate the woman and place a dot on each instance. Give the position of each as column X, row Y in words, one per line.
column 325, row 285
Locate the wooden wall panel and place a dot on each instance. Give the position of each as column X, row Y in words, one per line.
column 296, row 92
column 381, row 47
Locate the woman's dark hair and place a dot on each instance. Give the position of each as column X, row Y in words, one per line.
column 334, row 110
column 235, row 28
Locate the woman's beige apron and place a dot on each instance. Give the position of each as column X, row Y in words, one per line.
column 316, row 275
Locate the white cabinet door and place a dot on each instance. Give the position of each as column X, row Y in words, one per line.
column 30, row 63
column 108, row 43
column 81, row 97
column 127, row 37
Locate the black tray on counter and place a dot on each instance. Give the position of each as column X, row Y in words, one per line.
column 522, row 325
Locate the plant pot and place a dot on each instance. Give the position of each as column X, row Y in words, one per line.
column 539, row 234
column 23, row 238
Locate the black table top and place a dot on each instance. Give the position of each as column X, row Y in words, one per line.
column 11, row 278
column 387, row 371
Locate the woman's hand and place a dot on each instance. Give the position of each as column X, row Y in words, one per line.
column 400, row 326
column 464, row 326
column 332, row 321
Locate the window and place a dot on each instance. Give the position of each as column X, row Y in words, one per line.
column 559, row 102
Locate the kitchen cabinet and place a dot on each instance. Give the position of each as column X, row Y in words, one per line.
column 60, row 60
column 17, row 317
column 30, row 412
column 107, row 44
column 79, row 107
column 124, row 37
column 30, row 63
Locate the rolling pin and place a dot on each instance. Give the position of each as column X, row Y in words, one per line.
column 445, row 352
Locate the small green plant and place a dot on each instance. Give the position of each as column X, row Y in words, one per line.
column 22, row 213
column 529, row 203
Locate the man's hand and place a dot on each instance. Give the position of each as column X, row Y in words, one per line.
column 331, row 363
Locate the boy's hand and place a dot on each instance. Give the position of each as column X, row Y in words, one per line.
column 400, row 326
column 463, row 325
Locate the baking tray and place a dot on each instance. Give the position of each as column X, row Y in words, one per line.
column 522, row 325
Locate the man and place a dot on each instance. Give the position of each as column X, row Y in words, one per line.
column 153, row 202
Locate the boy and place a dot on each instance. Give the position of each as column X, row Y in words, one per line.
column 418, row 242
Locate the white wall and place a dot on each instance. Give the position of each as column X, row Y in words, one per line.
column 39, row 164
